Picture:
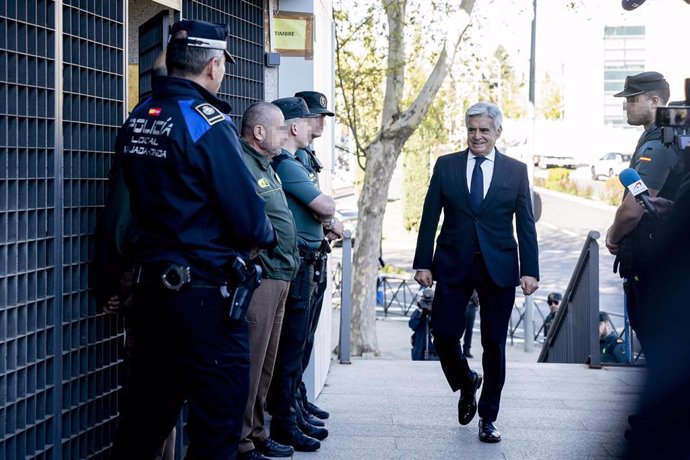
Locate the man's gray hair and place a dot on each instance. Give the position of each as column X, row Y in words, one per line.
column 485, row 109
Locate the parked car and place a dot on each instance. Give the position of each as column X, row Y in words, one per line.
column 550, row 160
column 610, row 165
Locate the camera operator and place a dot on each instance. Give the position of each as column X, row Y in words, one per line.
column 660, row 167
column 665, row 401
column 420, row 321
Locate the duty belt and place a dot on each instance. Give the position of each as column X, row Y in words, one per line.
column 171, row 275
column 310, row 257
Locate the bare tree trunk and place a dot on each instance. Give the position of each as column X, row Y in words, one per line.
column 372, row 206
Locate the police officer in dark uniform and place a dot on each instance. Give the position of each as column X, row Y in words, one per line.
column 318, row 105
column 553, row 300
column 198, row 221
column 661, row 167
column 312, row 212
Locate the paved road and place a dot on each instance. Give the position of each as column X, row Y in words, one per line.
column 562, row 229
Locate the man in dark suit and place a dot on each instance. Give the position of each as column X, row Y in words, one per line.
column 479, row 190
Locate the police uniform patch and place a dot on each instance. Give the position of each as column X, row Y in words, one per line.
column 322, row 101
column 211, row 114
column 263, row 183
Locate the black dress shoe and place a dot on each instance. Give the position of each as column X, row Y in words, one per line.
column 467, row 405
column 270, row 448
column 317, row 412
column 488, row 432
column 295, row 438
column 251, row 455
column 313, row 431
column 311, row 419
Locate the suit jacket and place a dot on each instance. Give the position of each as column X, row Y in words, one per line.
column 508, row 196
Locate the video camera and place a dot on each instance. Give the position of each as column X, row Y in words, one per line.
column 674, row 121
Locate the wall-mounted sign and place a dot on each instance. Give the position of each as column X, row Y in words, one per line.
column 293, row 34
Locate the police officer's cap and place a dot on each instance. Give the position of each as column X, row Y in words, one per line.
column 294, row 107
column 316, row 102
column 201, row 34
column 554, row 297
column 641, row 83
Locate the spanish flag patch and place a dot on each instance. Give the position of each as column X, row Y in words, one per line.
column 155, row 111
column 647, row 159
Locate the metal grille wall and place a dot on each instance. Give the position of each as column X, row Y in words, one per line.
column 60, row 107
column 244, row 81
column 93, row 71
column 27, row 236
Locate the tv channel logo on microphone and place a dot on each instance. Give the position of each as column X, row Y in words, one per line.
column 637, row 187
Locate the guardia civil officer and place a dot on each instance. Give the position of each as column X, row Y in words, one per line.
column 198, row 220
column 318, row 106
column 263, row 134
column 661, row 168
column 311, row 210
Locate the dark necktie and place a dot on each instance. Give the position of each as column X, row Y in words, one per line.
column 477, row 184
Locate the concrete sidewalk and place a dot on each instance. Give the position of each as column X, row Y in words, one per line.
column 394, row 408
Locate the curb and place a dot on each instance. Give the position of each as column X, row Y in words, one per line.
column 576, row 199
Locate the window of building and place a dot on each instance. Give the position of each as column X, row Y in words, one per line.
column 624, row 54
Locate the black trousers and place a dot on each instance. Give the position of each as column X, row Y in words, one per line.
column 293, row 337
column 315, row 307
column 448, row 326
column 186, row 349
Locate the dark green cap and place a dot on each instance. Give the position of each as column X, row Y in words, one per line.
column 316, row 102
column 641, row 83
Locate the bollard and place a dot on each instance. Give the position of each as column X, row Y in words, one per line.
column 528, row 323
column 345, row 300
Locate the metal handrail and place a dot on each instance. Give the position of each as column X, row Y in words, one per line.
column 574, row 333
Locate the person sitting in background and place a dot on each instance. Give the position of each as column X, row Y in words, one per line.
column 554, row 301
column 422, row 346
column 611, row 345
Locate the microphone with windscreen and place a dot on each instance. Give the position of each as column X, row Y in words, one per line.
column 632, row 181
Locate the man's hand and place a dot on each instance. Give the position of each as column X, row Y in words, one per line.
column 662, row 205
column 335, row 231
column 424, row 278
column 610, row 245
column 112, row 305
column 529, row 284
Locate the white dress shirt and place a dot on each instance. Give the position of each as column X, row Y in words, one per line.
column 487, row 169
